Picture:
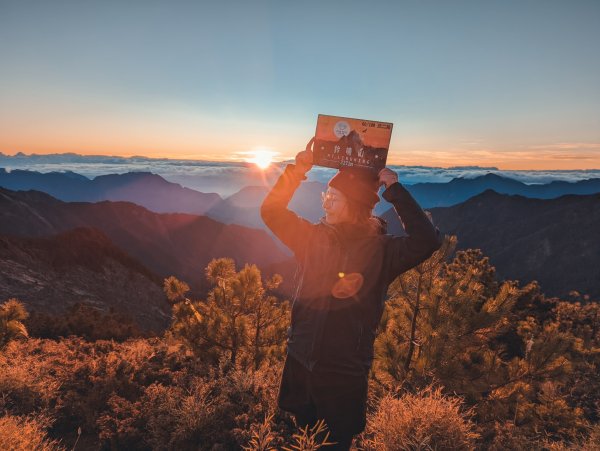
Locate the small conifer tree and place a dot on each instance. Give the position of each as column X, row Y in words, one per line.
column 239, row 318
column 12, row 315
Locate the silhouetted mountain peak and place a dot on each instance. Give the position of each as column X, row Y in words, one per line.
column 492, row 176
column 492, row 195
column 71, row 175
column 351, row 139
column 248, row 196
column 252, row 189
column 130, row 176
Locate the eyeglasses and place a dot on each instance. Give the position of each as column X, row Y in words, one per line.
column 328, row 197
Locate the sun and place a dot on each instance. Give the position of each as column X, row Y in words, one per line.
column 262, row 158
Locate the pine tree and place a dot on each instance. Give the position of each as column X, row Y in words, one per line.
column 12, row 315
column 238, row 319
column 441, row 320
column 505, row 349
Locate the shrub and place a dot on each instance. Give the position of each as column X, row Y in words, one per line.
column 220, row 408
column 12, row 315
column 26, row 385
column 25, row 434
column 426, row 420
column 84, row 321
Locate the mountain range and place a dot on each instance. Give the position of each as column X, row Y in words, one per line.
column 553, row 241
column 143, row 188
column 460, row 189
column 44, row 260
column 168, row 244
column 161, row 196
column 243, row 207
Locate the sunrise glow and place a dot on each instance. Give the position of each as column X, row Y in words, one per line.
column 522, row 98
column 262, row 158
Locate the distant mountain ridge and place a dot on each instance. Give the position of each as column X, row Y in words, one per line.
column 168, row 244
column 553, row 241
column 157, row 194
column 173, row 254
column 460, row 189
column 143, row 188
column 243, row 207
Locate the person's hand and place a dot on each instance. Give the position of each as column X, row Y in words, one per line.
column 304, row 159
column 387, row 177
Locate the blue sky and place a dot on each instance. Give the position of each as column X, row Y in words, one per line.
column 512, row 84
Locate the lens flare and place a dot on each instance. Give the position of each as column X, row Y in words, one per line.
column 262, row 158
column 347, row 285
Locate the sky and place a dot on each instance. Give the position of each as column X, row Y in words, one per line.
column 510, row 84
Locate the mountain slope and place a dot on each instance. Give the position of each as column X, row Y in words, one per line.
column 554, row 241
column 178, row 244
column 53, row 273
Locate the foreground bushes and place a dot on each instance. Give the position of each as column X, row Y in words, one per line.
column 150, row 394
column 25, row 434
column 216, row 410
column 426, row 420
column 525, row 369
column 141, row 394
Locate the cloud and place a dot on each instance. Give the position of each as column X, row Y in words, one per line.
column 225, row 178
column 569, row 146
column 573, row 157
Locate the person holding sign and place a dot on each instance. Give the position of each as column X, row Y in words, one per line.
column 346, row 263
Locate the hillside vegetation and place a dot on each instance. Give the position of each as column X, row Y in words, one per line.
column 463, row 361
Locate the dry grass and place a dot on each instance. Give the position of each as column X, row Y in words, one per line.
column 25, row 434
column 590, row 443
column 26, row 384
column 263, row 437
column 310, row 439
column 424, row 421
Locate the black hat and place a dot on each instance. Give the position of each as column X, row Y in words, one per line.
column 358, row 184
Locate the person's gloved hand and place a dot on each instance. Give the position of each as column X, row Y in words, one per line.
column 387, row 177
column 304, row 159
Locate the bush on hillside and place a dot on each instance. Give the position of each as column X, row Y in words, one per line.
column 26, row 434
column 425, row 420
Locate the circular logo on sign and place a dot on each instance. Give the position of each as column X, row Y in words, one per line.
column 341, row 128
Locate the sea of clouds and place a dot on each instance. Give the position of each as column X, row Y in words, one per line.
column 226, row 178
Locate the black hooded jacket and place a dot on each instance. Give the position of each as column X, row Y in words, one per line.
column 343, row 277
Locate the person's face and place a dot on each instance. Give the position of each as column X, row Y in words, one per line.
column 335, row 205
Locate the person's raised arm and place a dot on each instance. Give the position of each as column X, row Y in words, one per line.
column 284, row 223
column 422, row 239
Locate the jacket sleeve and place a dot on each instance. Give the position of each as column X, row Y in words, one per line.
column 423, row 238
column 292, row 230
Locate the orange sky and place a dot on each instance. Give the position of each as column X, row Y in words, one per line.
column 561, row 156
column 185, row 134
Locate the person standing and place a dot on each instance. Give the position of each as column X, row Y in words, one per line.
column 346, row 262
